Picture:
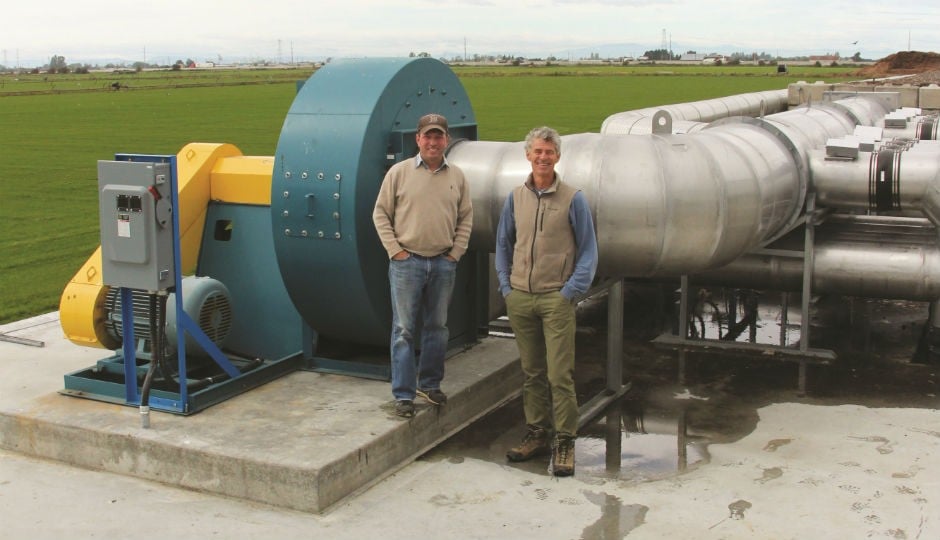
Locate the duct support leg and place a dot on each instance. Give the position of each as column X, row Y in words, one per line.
column 732, row 312
column 932, row 334
column 615, row 388
column 613, row 437
column 683, row 323
column 682, row 436
column 808, row 261
column 866, row 325
column 615, row 336
column 752, row 304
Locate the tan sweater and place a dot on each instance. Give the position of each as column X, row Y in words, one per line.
column 424, row 212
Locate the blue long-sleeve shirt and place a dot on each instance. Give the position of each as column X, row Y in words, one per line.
column 579, row 215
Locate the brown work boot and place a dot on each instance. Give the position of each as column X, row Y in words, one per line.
column 535, row 443
column 563, row 456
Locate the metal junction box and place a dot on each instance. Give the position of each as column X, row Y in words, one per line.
column 136, row 215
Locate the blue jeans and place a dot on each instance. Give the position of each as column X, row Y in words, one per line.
column 421, row 287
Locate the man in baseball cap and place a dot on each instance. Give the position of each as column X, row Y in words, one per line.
column 432, row 121
column 423, row 216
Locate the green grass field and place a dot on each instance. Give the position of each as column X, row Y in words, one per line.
column 41, row 83
column 52, row 138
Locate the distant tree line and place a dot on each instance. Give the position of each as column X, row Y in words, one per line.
column 660, row 54
column 58, row 64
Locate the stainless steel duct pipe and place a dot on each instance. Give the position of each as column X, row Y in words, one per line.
column 687, row 117
column 907, row 123
column 894, row 258
column 662, row 204
column 674, row 204
column 863, row 112
column 897, row 175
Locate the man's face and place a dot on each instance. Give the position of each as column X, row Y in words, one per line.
column 543, row 157
column 431, row 145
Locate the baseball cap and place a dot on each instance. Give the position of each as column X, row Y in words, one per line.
column 432, row 121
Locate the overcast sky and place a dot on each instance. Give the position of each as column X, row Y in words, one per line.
column 97, row 31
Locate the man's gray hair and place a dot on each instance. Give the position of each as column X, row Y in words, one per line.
column 543, row 133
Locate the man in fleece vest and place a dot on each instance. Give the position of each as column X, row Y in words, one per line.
column 546, row 256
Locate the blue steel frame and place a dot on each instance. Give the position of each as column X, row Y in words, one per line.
column 183, row 321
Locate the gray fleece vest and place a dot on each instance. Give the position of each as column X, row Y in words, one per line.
column 544, row 254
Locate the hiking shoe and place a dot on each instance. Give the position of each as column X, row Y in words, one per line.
column 434, row 397
column 563, row 456
column 405, row 408
column 535, row 443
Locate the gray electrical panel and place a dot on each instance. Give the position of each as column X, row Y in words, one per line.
column 136, row 225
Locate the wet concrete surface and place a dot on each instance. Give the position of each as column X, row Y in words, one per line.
column 662, row 428
column 734, row 452
column 662, row 431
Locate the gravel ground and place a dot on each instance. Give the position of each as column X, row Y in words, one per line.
column 921, row 79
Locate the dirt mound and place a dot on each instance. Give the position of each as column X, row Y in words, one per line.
column 903, row 63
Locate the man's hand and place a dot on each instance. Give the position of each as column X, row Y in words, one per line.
column 401, row 255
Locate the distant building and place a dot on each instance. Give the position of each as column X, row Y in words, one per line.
column 692, row 57
column 824, row 58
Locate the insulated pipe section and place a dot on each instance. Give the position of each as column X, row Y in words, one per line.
column 863, row 112
column 805, row 128
column 810, row 127
column 909, row 123
column 662, row 204
column 896, row 259
column 687, row 115
column 896, row 176
column 671, row 204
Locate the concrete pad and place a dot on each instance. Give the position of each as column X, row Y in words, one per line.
column 807, row 471
column 304, row 441
column 824, row 467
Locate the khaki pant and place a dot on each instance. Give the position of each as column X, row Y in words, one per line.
column 544, row 324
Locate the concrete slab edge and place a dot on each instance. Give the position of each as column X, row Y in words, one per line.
column 306, row 489
column 430, row 427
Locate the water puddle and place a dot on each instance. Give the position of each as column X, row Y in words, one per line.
column 629, row 442
column 617, row 519
column 627, row 447
column 661, row 429
column 746, row 317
